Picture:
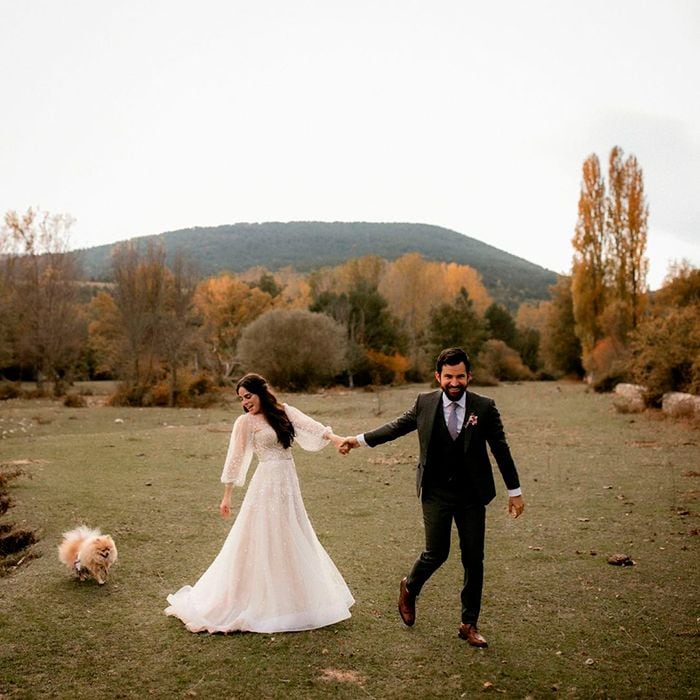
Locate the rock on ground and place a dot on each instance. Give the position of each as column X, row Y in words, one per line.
column 629, row 398
column 680, row 405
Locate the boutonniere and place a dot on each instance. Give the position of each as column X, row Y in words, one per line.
column 472, row 420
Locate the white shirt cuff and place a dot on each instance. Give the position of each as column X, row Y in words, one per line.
column 515, row 492
column 361, row 439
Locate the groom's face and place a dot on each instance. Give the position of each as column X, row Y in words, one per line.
column 453, row 380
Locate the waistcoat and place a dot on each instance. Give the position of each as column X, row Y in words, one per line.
column 445, row 465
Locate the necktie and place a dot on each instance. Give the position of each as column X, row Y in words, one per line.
column 452, row 426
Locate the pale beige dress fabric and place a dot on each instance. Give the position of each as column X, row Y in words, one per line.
column 272, row 574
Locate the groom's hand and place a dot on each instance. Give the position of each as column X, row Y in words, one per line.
column 348, row 444
column 516, row 505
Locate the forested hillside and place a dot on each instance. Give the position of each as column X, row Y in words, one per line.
column 309, row 245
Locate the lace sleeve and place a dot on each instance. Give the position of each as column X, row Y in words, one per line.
column 310, row 434
column 240, row 452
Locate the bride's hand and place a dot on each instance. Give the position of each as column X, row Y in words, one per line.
column 225, row 508
column 336, row 440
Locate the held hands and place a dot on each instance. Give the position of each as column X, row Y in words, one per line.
column 516, row 506
column 347, row 444
column 343, row 444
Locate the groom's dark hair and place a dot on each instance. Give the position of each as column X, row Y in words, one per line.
column 452, row 356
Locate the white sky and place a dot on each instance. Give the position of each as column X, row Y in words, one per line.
column 141, row 117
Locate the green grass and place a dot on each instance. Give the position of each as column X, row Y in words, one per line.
column 561, row 622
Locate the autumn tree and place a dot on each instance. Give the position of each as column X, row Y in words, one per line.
column 590, row 268
column 609, row 270
column 179, row 327
column 366, row 270
column 139, row 295
column 559, row 344
column 376, row 341
column 145, row 330
column 374, row 335
column 7, row 317
column 455, row 277
column 227, row 305
column 626, row 237
column 414, row 287
column 46, row 330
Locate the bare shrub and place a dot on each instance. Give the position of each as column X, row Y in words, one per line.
column 10, row 390
column 294, row 349
column 196, row 390
column 74, row 401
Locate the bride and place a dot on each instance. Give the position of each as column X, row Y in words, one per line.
column 272, row 574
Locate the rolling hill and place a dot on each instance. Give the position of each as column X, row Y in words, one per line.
column 310, row 245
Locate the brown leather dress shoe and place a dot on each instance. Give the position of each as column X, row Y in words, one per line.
column 407, row 604
column 471, row 634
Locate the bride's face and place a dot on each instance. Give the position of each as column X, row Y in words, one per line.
column 249, row 400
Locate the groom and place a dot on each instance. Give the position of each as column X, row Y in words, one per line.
column 454, row 480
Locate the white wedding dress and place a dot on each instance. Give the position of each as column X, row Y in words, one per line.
column 272, row 574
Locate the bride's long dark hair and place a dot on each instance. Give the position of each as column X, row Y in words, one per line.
column 270, row 407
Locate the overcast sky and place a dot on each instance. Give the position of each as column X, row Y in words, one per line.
column 143, row 117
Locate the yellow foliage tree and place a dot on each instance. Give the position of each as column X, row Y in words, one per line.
column 414, row 287
column 589, row 273
column 458, row 277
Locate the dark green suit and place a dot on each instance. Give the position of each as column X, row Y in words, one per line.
column 454, row 479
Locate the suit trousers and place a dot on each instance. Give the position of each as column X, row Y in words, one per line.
column 440, row 507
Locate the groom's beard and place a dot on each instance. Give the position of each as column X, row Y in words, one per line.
column 454, row 393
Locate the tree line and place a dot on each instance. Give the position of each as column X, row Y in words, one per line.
column 625, row 333
column 172, row 337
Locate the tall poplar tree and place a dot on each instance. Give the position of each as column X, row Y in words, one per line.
column 626, row 236
column 589, row 273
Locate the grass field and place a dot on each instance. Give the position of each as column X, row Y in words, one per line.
column 560, row 620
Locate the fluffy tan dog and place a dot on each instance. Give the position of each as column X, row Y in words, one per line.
column 87, row 552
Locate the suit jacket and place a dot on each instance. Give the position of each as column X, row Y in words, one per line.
column 482, row 426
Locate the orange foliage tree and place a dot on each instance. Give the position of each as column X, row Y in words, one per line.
column 227, row 305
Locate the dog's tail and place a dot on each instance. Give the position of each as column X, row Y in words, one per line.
column 82, row 532
column 69, row 547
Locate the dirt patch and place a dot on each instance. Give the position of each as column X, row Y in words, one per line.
column 338, row 675
column 14, row 541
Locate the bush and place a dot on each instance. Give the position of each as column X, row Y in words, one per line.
column 192, row 390
column 498, row 361
column 666, row 353
column 129, row 394
column 294, row 349
column 607, row 365
column 10, row 390
column 74, row 401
